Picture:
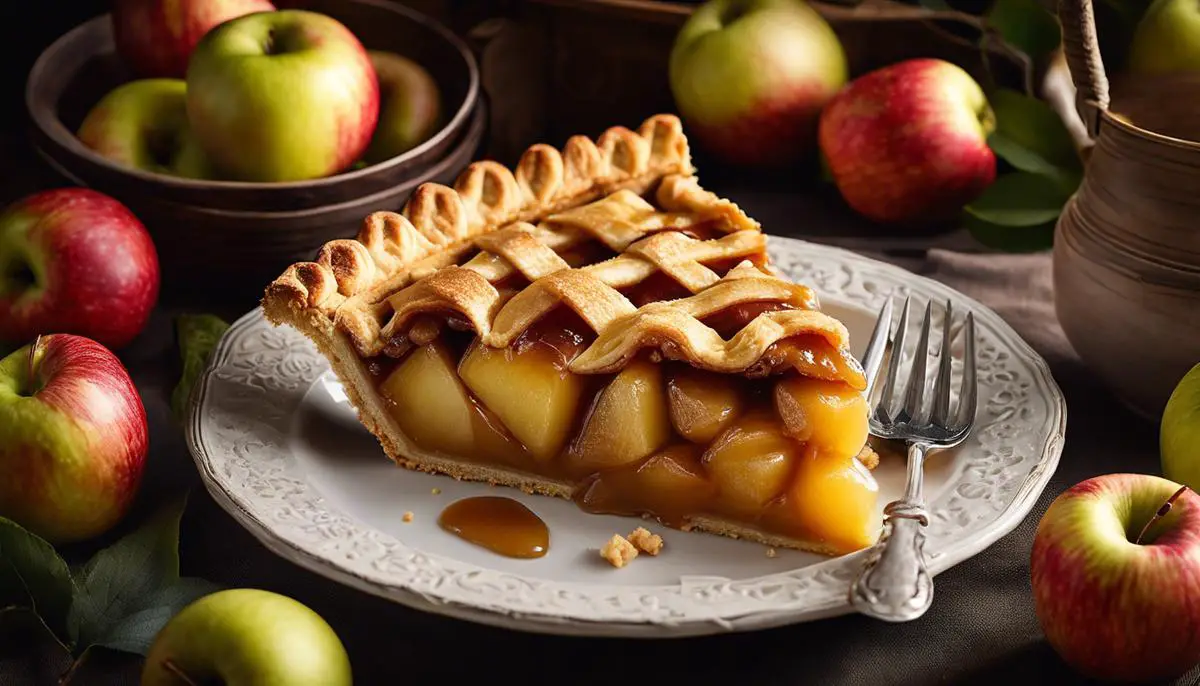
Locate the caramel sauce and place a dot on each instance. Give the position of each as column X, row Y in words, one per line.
column 501, row 525
column 813, row 356
column 562, row 331
column 733, row 319
column 656, row 288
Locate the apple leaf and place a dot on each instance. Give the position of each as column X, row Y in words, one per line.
column 128, row 590
column 1019, row 199
column 1011, row 238
column 1027, row 26
column 198, row 335
column 34, row 577
column 135, row 632
column 1032, row 137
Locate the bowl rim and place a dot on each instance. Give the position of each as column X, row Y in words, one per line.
column 57, row 131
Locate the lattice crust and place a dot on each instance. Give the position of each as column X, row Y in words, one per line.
column 380, row 290
column 437, row 221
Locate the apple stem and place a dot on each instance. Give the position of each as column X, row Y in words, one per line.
column 178, row 673
column 1162, row 512
column 31, row 366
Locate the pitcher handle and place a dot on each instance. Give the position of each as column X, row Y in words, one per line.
column 1082, row 48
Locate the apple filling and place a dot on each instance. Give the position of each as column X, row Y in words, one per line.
column 774, row 449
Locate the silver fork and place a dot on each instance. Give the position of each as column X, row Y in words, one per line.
column 894, row 584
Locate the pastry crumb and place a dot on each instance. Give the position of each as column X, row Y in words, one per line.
column 436, row 491
column 618, row 551
column 646, row 542
column 771, row 552
column 407, row 517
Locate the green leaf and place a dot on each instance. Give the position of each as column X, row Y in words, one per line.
column 34, row 576
column 1019, row 199
column 135, row 632
column 1032, row 137
column 1027, row 26
column 198, row 335
column 1011, row 238
column 131, row 588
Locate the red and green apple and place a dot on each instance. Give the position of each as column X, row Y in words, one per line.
column 750, row 77
column 282, row 96
column 155, row 38
column 73, row 260
column 73, row 438
column 1116, row 588
column 908, row 142
column 143, row 124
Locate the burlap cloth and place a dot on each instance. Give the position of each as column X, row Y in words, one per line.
column 981, row 628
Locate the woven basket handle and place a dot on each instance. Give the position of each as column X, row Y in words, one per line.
column 1082, row 49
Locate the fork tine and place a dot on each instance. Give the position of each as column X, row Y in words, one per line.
column 883, row 409
column 877, row 346
column 914, row 391
column 941, row 387
column 967, row 397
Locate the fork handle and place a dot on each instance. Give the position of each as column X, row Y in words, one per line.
column 894, row 584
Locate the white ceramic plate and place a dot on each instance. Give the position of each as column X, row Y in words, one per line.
column 280, row 450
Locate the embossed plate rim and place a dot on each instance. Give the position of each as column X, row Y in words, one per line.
column 657, row 611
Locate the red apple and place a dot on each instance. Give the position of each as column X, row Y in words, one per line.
column 75, row 261
column 1114, row 608
column 750, row 78
column 908, row 142
column 73, row 438
column 156, row 37
column 282, row 96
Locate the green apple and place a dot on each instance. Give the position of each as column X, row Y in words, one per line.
column 246, row 637
column 750, row 78
column 1167, row 38
column 143, row 124
column 410, row 106
column 282, row 96
column 1179, row 434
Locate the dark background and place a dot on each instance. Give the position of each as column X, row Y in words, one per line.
column 981, row 629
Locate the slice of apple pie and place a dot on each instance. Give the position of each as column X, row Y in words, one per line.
column 597, row 326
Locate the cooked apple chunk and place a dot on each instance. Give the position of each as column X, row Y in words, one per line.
column 429, row 402
column 535, row 398
column 833, row 500
column 750, row 463
column 670, row 484
column 703, row 404
column 628, row 421
column 828, row 414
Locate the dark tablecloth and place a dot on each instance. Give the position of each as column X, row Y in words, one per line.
column 981, row 628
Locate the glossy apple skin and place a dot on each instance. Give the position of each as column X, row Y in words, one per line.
column 1167, row 39
column 1179, row 433
column 143, row 124
column 908, row 142
column 73, row 438
column 282, row 96
column 155, row 38
column 93, row 267
column 410, row 106
column 1112, row 609
column 247, row 636
column 750, row 78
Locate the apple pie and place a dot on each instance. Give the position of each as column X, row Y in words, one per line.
column 594, row 325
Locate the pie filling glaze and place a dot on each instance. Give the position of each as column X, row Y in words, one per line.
column 599, row 327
